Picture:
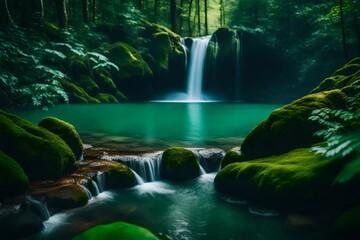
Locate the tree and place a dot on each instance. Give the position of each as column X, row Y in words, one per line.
column 206, row 17
column 85, row 10
column 5, row 17
column 198, row 16
column 173, row 15
column 94, row 11
column 189, row 17
column 343, row 31
column 61, row 13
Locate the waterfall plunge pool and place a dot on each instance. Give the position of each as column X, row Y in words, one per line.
column 190, row 210
column 158, row 125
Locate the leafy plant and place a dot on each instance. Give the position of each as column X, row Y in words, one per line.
column 342, row 133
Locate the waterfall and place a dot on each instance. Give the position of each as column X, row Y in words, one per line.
column 185, row 52
column 139, row 180
column 196, row 68
column 88, row 193
column 39, row 208
column 148, row 168
column 100, row 178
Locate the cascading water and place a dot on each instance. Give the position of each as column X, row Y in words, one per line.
column 40, row 208
column 185, row 51
column 100, row 178
column 196, row 68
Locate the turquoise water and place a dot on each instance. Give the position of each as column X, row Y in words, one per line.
column 147, row 126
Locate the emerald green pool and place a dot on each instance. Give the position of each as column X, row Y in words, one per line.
column 156, row 125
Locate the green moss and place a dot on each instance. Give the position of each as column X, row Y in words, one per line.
column 53, row 32
column 231, row 156
column 289, row 127
column 343, row 77
column 40, row 153
column 104, row 81
column 78, row 67
column 121, row 97
column 12, row 177
column 164, row 46
column 179, row 164
column 294, row 181
column 120, row 176
column 106, row 98
column 88, row 85
column 77, row 94
column 117, row 230
column 66, row 131
column 129, row 61
column 347, row 226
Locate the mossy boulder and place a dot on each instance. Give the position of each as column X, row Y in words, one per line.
column 133, row 77
column 12, row 177
column 40, row 153
column 76, row 93
column 117, row 175
column 60, row 196
column 297, row 181
column 344, row 77
column 231, row 156
column 179, row 164
column 78, row 67
column 165, row 56
column 88, row 84
column 289, row 127
column 104, row 81
column 66, row 131
column 117, row 230
column 347, row 226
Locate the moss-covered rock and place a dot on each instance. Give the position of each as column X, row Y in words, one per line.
column 231, row 156
column 133, row 77
column 53, row 32
column 294, row 181
column 117, row 230
column 40, row 153
column 77, row 94
column 289, row 127
column 104, row 81
column 88, row 84
column 347, row 226
column 121, row 97
column 117, row 175
column 106, row 98
column 166, row 56
column 60, row 196
column 179, row 164
column 12, row 177
column 78, row 67
column 66, row 131
column 344, row 77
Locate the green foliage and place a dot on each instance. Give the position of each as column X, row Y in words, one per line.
column 342, row 133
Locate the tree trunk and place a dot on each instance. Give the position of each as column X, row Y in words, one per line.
column 222, row 13
column 206, row 18
column 93, row 11
column 156, row 3
column 5, row 17
column 198, row 16
column 189, row 17
column 357, row 29
column 343, row 31
column 140, row 4
column 85, row 10
column 61, row 13
column 181, row 17
column 173, row 14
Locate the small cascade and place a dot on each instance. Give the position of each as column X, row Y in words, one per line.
column 196, row 68
column 39, row 208
column 139, row 180
column 148, row 168
column 95, row 188
column 238, row 80
column 185, row 52
column 88, row 193
column 100, row 178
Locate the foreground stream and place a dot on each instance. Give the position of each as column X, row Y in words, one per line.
column 188, row 211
